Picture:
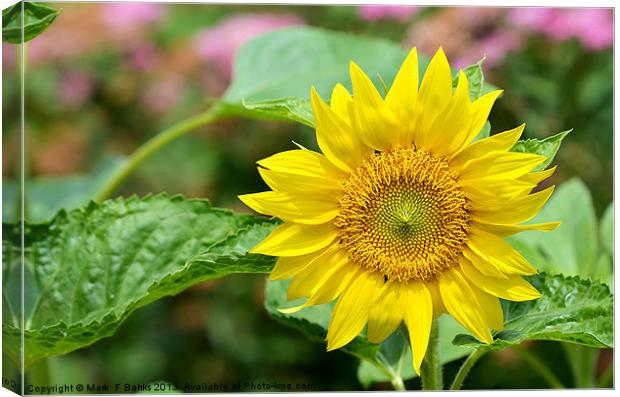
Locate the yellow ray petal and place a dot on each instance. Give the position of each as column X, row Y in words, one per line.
column 495, row 250
column 481, row 109
column 537, row 177
column 299, row 208
column 434, row 95
column 485, row 192
column 351, row 312
column 289, row 183
column 500, row 165
column 509, row 230
column 419, row 318
column 303, row 163
column 502, row 141
column 490, row 308
column 450, row 129
column 371, row 117
column 317, row 272
column 403, row 95
column 340, row 101
column 519, row 210
column 290, row 239
column 335, row 137
column 329, row 288
column 288, row 266
column 462, row 304
column 386, row 313
column 485, row 266
column 513, row 288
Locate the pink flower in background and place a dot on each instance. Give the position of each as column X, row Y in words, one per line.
column 144, row 56
column 164, row 94
column 218, row 44
column 593, row 27
column 125, row 17
column 9, row 55
column 494, row 48
column 75, row 88
column 373, row 13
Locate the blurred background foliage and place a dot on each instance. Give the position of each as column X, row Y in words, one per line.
column 105, row 77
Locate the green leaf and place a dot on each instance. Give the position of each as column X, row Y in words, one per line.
column 87, row 270
column 475, row 78
column 547, row 147
column 378, row 363
column 570, row 310
column 37, row 17
column 286, row 109
column 273, row 73
column 607, row 229
column 572, row 248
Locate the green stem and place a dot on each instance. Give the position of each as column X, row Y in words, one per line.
column 39, row 374
column 457, row 383
column 540, row 367
column 582, row 360
column 606, row 379
column 398, row 384
column 431, row 370
column 153, row 145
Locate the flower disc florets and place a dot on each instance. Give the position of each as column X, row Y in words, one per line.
column 403, row 215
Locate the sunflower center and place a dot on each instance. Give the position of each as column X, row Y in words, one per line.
column 404, row 215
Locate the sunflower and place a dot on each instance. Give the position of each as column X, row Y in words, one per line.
column 403, row 215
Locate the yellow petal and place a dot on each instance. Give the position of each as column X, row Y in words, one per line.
column 335, row 137
column 481, row 109
column 502, row 141
column 340, row 101
column 451, row 127
column 386, row 313
column 290, row 239
column 495, row 250
column 485, row 266
column 317, row 272
column 371, row 117
column 299, row 208
column 485, row 192
column 289, row 183
column 537, row 177
column 303, row 163
column 434, row 95
column 403, row 95
column 500, row 165
column 288, row 266
column 509, row 230
column 513, row 288
column 462, row 304
column 419, row 318
column 490, row 308
column 351, row 312
column 519, row 210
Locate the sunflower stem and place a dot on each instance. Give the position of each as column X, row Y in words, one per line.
column 457, row 383
column 431, row 371
column 153, row 145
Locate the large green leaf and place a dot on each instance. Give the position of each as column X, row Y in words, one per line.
column 547, row 147
column 88, row 269
column 274, row 72
column 37, row 18
column 570, row 310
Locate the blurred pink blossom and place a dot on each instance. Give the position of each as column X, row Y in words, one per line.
column 126, row 17
column 75, row 88
column 164, row 94
column 9, row 55
column 373, row 13
column 218, row 44
column 494, row 48
column 593, row 27
column 144, row 56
